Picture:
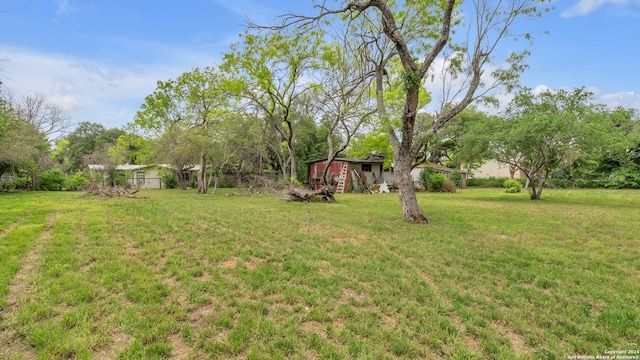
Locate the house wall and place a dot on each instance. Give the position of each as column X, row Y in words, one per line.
column 151, row 179
column 374, row 173
column 495, row 168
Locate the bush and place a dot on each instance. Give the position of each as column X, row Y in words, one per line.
column 512, row 186
column 624, row 178
column 21, row 183
column 449, row 186
column 435, row 183
column 558, row 183
column 456, row 178
column 425, row 174
column 169, row 180
column 121, row 178
column 51, row 180
column 487, row 183
column 8, row 186
column 77, row 181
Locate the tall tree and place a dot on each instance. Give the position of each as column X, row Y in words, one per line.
column 24, row 148
column 46, row 117
column 419, row 32
column 84, row 140
column 272, row 69
column 344, row 102
column 541, row 133
column 195, row 99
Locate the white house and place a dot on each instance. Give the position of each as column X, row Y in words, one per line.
column 140, row 176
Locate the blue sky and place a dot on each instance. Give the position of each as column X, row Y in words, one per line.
column 100, row 58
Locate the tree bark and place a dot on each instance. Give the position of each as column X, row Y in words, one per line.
column 406, row 193
column 203, row 184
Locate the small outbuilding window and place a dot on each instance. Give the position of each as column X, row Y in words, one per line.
column 366, row 167
column 140, row 177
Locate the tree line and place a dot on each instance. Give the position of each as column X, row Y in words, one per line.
column 351, row 79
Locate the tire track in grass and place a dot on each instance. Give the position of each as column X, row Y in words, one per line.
column 136, row 252
column 9, row 229
column 10, row 343
column 468, row 340
column 516, row 340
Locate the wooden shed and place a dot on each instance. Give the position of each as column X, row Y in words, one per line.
column 349, row 174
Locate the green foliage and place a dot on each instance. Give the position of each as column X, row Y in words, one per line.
column 512, row 186
column 624, row 178
column 51, row 180
column 375, row 142
column 424, row 175
column 436, row 182
column 8, row 186
column 491, row 182
column 411, row 80
column 77, row 181
column 456, row 178
column 21, row 182
column 169, row 180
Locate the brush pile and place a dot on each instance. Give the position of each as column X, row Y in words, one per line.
column 105, row 191
column 296, row 193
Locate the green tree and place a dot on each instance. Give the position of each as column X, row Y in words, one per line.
column 615, row 160
column 24, row 148
column 376, row 143
column 196, row 99
column 83, row 141
column 415, row 34
column 270, row 70
column 343, row 102
column 540, row 133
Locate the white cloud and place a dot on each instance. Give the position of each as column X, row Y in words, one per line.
column 584, row 7
column 88, row 90
column 63, row 7
column 626, row 99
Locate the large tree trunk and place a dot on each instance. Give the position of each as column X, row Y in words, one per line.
column 406, row 193
column 203, row 184
column 402, row 159
column 536, row 187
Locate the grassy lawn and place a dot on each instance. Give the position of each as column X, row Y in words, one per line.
column 182, row 276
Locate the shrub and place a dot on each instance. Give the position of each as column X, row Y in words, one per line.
column 435, row 183
column 512, row 186
column 624, row 178
column 8, row 186
column 51, row 180
column 169, row 180
column 449, row 186
column 98, row 177
column 487, row 183
column 121, row 178
column 21, row 183
column 456, row 178
column 77, row 181
column 558, row 183
column 423, row 178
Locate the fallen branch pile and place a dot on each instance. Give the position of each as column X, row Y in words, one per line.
column 300, row 194
column 105, row 191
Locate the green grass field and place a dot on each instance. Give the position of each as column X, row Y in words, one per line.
column 182, row 276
